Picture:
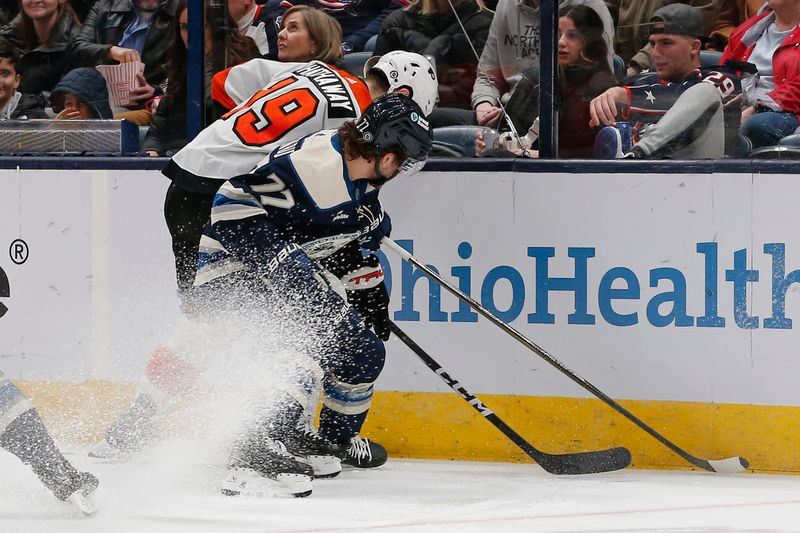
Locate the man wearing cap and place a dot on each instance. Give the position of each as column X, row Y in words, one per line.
column 680, row 110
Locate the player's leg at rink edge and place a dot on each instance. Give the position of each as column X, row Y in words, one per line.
column 23, row 433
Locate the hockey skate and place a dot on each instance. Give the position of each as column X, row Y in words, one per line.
column 266, row 469
column 364, row 453
column 132, row 431
column 83, row 498
column 69, row 485
column 298, row 435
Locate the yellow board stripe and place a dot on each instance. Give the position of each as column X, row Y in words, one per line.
column 443, row 426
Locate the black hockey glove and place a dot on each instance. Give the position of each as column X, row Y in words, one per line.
column 373, row 304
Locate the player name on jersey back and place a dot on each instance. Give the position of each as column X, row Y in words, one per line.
column 340, row 103
column 309, row 98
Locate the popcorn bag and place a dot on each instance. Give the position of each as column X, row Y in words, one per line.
column 120, row 79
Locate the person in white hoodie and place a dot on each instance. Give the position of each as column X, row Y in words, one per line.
column 512, row 48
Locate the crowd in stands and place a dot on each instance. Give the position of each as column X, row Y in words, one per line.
column 633, row 76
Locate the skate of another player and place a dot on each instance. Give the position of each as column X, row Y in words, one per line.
column 409, row 495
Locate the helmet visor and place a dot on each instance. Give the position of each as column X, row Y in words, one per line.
column 409, row 167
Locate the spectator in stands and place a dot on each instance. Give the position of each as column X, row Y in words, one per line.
column 42, row 33
column 308, row 33
column 511, row 51
column 360, row 19
column 679, row 110
column 583, row 73
column 167, row 134
column 81, row 94
column 15, row 105
column 253, row 21
column 128, row 30
column 731, row 14
column 771, row 41
column 431, row 28
column 631, row 18
column 8, row 10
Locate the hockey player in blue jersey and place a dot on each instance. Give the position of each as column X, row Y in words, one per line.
column 23, row 433
column 221, row 151
column 259, row 259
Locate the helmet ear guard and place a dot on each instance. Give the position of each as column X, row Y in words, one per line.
column 411, row 70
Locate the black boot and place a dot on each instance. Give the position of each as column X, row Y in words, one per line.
column 295, row 430
column 260, row 466
column 363, row 453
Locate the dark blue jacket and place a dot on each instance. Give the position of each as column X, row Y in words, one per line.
column 88, row 85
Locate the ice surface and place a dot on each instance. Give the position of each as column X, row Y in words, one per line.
column 169, row 492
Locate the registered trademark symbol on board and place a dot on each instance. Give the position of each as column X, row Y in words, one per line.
column 18, row 251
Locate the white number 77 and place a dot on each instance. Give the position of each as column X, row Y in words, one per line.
column 277, row 186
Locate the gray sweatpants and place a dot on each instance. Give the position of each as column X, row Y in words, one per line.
column 693, row 128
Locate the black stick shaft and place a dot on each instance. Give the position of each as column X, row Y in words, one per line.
column 477, row 404
column 578, row 463
column 701, row 463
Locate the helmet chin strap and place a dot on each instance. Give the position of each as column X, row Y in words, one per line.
column 380, row 179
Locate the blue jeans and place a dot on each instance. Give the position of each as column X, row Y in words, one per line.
column 766, row 129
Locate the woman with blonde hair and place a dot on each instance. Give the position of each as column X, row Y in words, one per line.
column 307, row 33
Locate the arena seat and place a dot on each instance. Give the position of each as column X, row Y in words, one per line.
column 354, row 62
column 709, row 58
column 620, row 72
column 776, row 152
column 791, row 140
column 455, row 141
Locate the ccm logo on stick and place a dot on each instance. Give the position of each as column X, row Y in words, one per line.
column 5, row 291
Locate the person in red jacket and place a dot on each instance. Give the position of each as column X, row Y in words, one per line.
column 771, row 41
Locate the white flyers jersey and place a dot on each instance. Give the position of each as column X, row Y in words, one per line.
column 272, row 103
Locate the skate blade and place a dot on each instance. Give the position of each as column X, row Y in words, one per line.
column 85, row 503
column 247, row 482
column 325, row 466
column 107, row 453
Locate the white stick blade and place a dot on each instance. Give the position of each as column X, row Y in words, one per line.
column 731, row 465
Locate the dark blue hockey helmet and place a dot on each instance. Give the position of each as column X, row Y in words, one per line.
column 395, row 123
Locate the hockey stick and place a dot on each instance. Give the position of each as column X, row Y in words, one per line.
column 568, row 463
column 728, row 465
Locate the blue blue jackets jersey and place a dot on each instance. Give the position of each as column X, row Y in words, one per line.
column 651, row 97
column 300, row 197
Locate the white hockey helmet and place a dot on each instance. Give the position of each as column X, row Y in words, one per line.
column 407, row 69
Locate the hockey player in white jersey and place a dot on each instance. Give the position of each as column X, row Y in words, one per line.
column 271, row 103
column 258, row 260
column 23, row 433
